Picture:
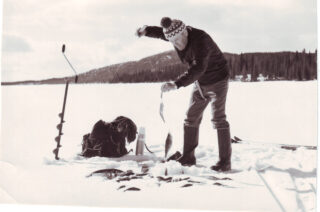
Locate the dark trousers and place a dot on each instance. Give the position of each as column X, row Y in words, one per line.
column 216, row 94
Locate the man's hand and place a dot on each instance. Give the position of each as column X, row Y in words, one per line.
column 168, row 86
column 141, row 31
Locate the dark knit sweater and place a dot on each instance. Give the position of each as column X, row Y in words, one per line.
column 207, row 63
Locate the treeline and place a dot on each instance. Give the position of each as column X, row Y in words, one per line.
column 159, row 74
column 245, row 67
column 167, row 66
column 274, row 66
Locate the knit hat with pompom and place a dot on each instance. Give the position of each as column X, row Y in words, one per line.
column 172, row 27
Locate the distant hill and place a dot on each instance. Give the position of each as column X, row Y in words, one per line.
column 167, row 66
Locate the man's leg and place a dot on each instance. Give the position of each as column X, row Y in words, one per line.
column 191, row 127
column 218, row 93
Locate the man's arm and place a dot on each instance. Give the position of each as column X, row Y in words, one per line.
column 199, row 65
column 155, row 32
column 151, row 31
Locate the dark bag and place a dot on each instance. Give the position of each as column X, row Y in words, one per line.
column 108, row 139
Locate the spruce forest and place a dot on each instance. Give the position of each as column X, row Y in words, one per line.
column 250, row 67
column 166, row 66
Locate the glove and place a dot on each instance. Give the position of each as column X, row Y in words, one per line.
column 168, row 86
column 141, row 31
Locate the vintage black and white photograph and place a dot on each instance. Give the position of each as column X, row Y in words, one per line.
column 160, row 105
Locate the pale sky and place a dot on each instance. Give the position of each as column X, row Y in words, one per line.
column 98, row 33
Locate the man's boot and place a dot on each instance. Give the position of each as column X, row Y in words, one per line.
column 191, row 138
column 224, row 142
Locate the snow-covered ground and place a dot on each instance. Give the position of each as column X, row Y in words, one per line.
column 264, row 177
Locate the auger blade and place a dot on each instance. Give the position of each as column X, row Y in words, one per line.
column 59, row 126
column 55, row 151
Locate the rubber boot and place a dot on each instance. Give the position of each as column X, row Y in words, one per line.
column 224, row 142
column 191, row 139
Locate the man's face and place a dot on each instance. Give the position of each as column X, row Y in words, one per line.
column 180, row 41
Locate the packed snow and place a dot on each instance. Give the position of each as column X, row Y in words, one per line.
column 264, row 176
